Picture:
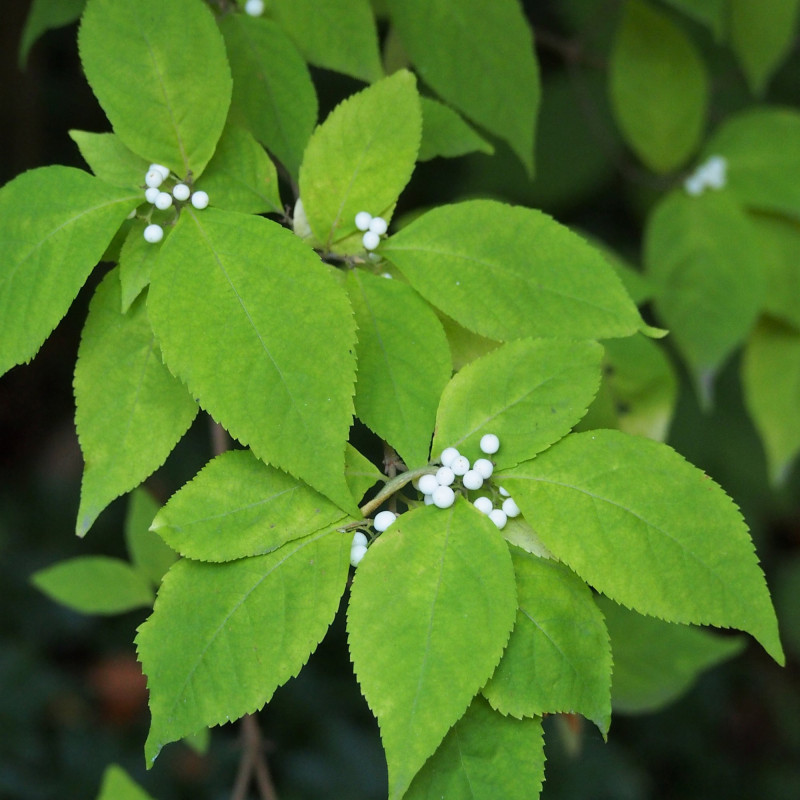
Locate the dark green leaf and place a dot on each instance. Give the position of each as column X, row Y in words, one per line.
column 44, row 15
column 117, row 785
column 147, row 550
column 136, row 259
column 444, row 133
column 110, row 160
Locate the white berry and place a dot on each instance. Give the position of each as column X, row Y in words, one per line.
column 360, row 538
column 199, row 200
column 499, row 517
column 484, row 468
column 443, row 497
column 151, row 193
column 378, row 225
column 255, row 8
column 383, row 519
column 448, row 455
column 472, row 479
column 510, row 507
column 160, row 168
column 694, row 185
column 489, row 444
column 428, row 498
column 445, row 476
column 357, row 552
column 180, row 191
column 503, row 492
column 154, row 178
column 483, row 504
column 153, row 233
column 163, row 201
column 363, row 220
column 460, row 465
column 370, row 240
column 428, row 484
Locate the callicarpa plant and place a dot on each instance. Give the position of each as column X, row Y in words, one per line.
column 511, row 549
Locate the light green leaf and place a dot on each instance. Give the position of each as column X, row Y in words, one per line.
column 223, row 637
column 228, row 283
column 442, row 583
column 444, row 133
column 95, row 585
column 241, row 176
column 465, row 346
column 507, row 272
column 522, row 535
column 360, row 159
column 136, row 259
column 654, row 661
column 335, row 34
column 485, row 756
column 762, row 148
column 558, row 658
column 237, row 506
column 49, row 249
column 147, row 549
column 160, row 73
column 711, row 13
column 703, row 257
column 762, row 35
column 771, row 381
column 648, row 529
column 360, row 472
column 130, row 412
column 529, row 393
column 658, row 87
column 117, row 785
column 110, row 160
column 44, row 15
column 481, row 61
column 271, row 86
column 403, row 363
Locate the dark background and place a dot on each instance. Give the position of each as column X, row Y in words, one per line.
column 72, row 698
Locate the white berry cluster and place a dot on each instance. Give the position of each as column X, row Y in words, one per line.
column 154, row 179
column 255, row 8
column 709, row 175
column 373, row 227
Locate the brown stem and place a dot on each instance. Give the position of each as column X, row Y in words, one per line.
column 253, row 763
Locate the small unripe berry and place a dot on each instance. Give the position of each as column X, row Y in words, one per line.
column 484, row 468
column 370, row 240
column 383, row 519
column 153, row 233
column 445, row 476
column 443, row 497
column 499, row 517
column 154, row 178
column 483, row 504
column 363, row 219
column 200, row 200
column 448, row 455
column 460, row 465
column 163, row 201
column 378, row 225
column 180, row 191
column 489, row 444
column 472, row 479
column 357, row 552
column 255, row 8
column 428, row 484
column 510, row 507
column 360, row 538
column 160, row 168
column 151, row 193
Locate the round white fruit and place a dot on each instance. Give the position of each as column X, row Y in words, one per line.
column 443, row 497
column 357, row 552
column 484, row 468
column 180, row 191
column 490, row 444
column 472, row 479
column 483, row 504
column 359, row 537
column 153, row 233
column 498, row 516
column 370, row 240
column 163, row 201
column 378, row 225
column 255, row 8
column 510, row 507
column 363, row 219
column 428, row 484
column 200, row 200
column 460, row 465
column 445, row 476
column 383, row 519
column 154, row 178
column 449, row 454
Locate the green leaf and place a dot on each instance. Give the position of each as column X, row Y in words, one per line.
column 136, row 259
column 130, row 412
column 762, row 36
column 110, row 160
column 529, row 393
column 771, row 381
column 658, row 87
column 95, row 585
column 484, row 757
column 711, row 13
column 507, row 272
column 762, row 148
column 481, row 61
column 703, row 257
column 465, row 346
column 228, row 283
column 49, row 248
column 360, row 472
column 453, row 573
column 44, row 15
column 223, row 637
column 147, row 549
column 272, row 87
column 654, row 661
column 558, row 658
column 360, row 159
column 648, row 529
column 117, row 785
column 241, row 176
column 335, row 34
column 237, row 506
column 403, row 363
column 445, row 134
column 160, row 73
